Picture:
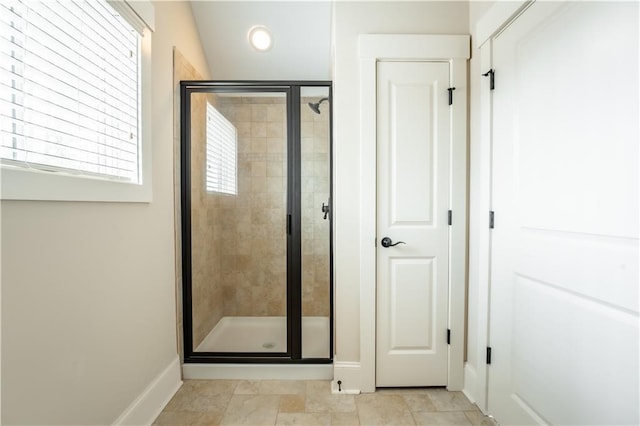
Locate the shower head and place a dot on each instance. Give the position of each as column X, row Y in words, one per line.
column 315, row 107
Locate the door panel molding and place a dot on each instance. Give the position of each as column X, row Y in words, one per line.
column 454, row 49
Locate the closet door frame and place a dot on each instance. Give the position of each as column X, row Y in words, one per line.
column 491, row 24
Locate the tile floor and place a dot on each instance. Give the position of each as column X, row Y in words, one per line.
column 291, row 402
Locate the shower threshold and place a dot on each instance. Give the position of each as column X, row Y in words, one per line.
column 266, row 334
column 263, row 334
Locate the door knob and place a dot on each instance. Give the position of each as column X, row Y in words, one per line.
column 386, row 242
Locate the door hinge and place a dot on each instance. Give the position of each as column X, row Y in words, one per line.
column 448, row 336
column 289, row 224
column 451, row 89
column 492, row 78
column 450, row 217
column 491, row 219
column 488, row 355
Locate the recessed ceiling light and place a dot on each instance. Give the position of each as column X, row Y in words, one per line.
column 260, row 38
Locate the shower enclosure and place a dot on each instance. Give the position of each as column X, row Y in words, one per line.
column 256, row 221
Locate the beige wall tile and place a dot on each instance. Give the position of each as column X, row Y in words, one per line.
column 246, row 258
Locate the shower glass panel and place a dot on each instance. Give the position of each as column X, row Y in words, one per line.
column 315, row 169
column 255, row 171
column 239, row 222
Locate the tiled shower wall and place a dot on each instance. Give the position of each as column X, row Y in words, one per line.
column 207, row 226
column 239, row 242
column 253, row 251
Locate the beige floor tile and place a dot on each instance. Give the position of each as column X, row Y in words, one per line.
column 455, row 418
column 176, row 400
column 330, row 403
column 478, row 419
column 247, row 387
column 379, row 409
column 282, row 387
column 311, row 419
column 292, row 404
column 419, row 402
column 345, row 419
column 212, row 387
column 189, row 399
column 450, row 401
column 403, row 391
column 318, row 386
column 205, row 403
column 180, row 418
column 251, row 410
column 208, row 419
column 176, row 418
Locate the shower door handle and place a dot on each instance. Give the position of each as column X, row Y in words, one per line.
column 387, row 242
column 325, row 210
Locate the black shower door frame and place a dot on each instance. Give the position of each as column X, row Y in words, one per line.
column 294, row 220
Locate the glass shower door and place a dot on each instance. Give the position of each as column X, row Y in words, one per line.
column 256, row 221
column 238, row 222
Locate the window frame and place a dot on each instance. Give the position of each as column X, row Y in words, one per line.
column 33, row 184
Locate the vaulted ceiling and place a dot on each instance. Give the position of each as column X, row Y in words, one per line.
column 301, row 39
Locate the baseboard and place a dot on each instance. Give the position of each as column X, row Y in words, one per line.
column 148, row 405
column 474, row 388
column 470, row 382
column 348, row 374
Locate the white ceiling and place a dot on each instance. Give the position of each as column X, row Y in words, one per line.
column 301, row 39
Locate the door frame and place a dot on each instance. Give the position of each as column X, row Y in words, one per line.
column 292, row 90
column 499, row 16
column 454, row 49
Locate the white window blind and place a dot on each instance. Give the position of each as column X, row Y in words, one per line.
column 222, row 142
column 69, row 88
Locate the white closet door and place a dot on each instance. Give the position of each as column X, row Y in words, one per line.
column 564, row 281
column 413, row 200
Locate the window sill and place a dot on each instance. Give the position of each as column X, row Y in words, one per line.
column 36, row 185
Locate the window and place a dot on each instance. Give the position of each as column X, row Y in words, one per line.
column 70, row 92
column 222, row 143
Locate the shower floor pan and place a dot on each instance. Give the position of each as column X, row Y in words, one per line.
column 266, row 334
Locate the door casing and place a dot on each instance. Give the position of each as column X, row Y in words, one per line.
column 454, row 49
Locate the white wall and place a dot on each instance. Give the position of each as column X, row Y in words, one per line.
column 350, row 20
column 88, row 289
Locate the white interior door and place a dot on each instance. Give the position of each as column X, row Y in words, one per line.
column 412, row 206
column 564, row 282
